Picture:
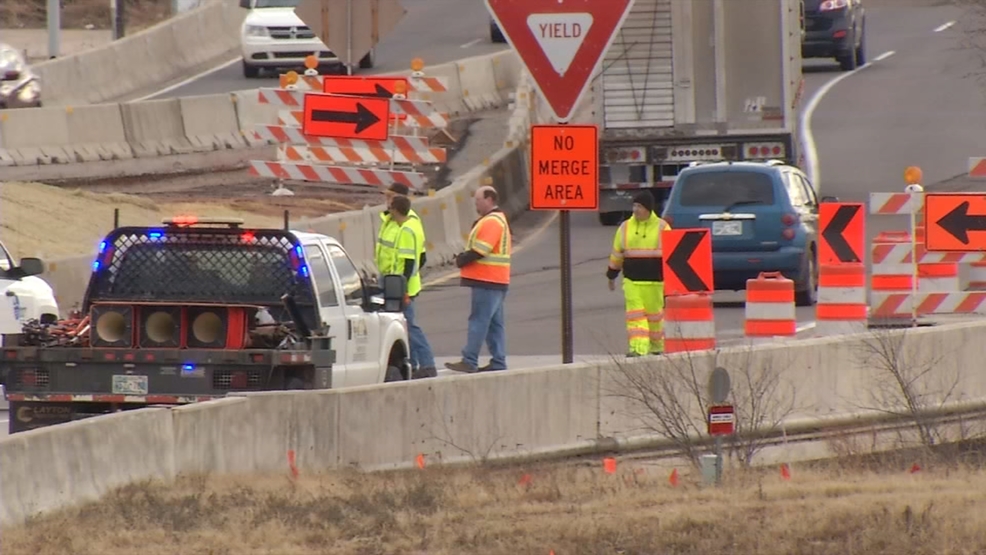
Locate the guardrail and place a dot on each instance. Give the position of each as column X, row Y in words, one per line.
column 524, row 414
column 187, row 42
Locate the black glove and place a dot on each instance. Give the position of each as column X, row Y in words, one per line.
column 612, row 274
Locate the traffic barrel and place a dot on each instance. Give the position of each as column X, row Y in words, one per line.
column 689, row 323
column 842, row 306
column 770, row 308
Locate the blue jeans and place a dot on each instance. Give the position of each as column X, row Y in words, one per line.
column 421, row 355
column 486, row 324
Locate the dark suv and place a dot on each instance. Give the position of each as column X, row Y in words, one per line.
column 763, row 217
column 835, row 29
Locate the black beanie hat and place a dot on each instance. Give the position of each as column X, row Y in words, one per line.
column 644, row 199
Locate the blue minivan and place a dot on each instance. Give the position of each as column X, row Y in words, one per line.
column 762, row 216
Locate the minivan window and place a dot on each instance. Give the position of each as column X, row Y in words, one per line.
column 725, row 188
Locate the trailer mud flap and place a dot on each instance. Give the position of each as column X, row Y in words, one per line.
column 27, row 415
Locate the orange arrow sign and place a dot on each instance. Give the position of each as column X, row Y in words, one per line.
column 955, row 222
column 346, row 117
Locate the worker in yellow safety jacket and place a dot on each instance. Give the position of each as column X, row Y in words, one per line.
column 386, row 244
column 637, row 253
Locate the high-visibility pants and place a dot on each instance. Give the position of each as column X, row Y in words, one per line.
column 644, row 315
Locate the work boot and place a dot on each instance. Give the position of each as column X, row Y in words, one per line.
column 424, row 372
column 489, row 368
column 461, row 366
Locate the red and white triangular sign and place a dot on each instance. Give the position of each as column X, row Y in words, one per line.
column 560, row 42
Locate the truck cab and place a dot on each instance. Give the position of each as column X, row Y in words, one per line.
column 197, row 309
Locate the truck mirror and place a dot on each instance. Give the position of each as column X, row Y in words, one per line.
column 394, row 290
column 28, row 267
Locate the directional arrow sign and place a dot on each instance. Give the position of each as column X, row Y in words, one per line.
column 843, row 237
column 560, row 42
column 955, row 222
column 383, row 87
column 351, row 117
column 687, row 261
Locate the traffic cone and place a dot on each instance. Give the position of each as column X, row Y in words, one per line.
column 291, row 464
column 420, row 461
column 785, row 471
column 673, row 478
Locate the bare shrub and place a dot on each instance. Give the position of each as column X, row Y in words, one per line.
column 669, row 398
column 907, row 381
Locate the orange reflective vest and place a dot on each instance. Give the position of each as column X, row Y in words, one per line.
column 490, row 237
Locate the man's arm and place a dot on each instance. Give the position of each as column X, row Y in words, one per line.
column 481, row 244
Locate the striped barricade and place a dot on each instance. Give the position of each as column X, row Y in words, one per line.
column 770, row 310
column 689, row 323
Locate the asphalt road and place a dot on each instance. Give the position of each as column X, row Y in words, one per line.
column 464, row 33
column 913, row 106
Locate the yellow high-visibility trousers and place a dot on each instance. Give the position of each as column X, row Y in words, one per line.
column 644, row 315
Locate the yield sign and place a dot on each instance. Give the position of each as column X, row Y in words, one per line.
column 560, row 42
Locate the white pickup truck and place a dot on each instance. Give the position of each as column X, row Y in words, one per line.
column 274, row 37
column 197, row 309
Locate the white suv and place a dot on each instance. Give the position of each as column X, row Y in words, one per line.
column 274, row 37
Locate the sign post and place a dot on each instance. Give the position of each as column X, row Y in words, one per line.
column 721, row 416
column 561, row 43
column 564, row 177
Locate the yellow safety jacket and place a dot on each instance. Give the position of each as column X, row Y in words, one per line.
column 637, row 249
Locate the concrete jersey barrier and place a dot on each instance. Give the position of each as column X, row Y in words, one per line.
column 139, row 62
column 514, row 414
column 162, row 127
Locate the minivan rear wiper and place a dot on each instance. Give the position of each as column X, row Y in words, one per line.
column 740, row 203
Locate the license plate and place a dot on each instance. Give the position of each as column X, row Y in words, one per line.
column 129, row 385
column 727, row 228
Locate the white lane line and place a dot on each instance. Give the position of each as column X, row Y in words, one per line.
column 807, row 137
column 191, row 79
column 884, row 56
column 944, row 26
column 473, row 42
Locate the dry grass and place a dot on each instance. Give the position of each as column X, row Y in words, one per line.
column 569, row 509
column 52, row 222
column 78, row 14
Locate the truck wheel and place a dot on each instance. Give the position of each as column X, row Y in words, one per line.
column 393, row 375
column 610, row 218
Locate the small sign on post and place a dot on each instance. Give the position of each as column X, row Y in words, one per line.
column 721, row 420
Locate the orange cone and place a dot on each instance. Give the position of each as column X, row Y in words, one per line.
column 291, row 464
column 420, row 460
column 785, row 471
column 673, row 478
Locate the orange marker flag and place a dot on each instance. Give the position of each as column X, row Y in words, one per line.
column 915, row 468
column 609, row 465
column 291, row 464
column 785, row 471
column 673, row 478
column 420, row 460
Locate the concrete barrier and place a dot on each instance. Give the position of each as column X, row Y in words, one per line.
column 513, row 414
column 133, row 64
column 210, row 122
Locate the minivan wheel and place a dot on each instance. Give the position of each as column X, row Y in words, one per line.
column 809, row 294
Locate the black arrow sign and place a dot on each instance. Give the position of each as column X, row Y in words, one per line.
column 362, row 117
column 680, row 262
column 382, row 91
column 834, row 234
column 958, row 223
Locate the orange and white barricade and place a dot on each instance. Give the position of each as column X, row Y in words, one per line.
column 977, row 276
column 842, row 304
column 770, row 310
column 689, row 323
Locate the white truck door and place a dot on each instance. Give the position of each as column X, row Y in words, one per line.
column 330, row 310
column 363, row 352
